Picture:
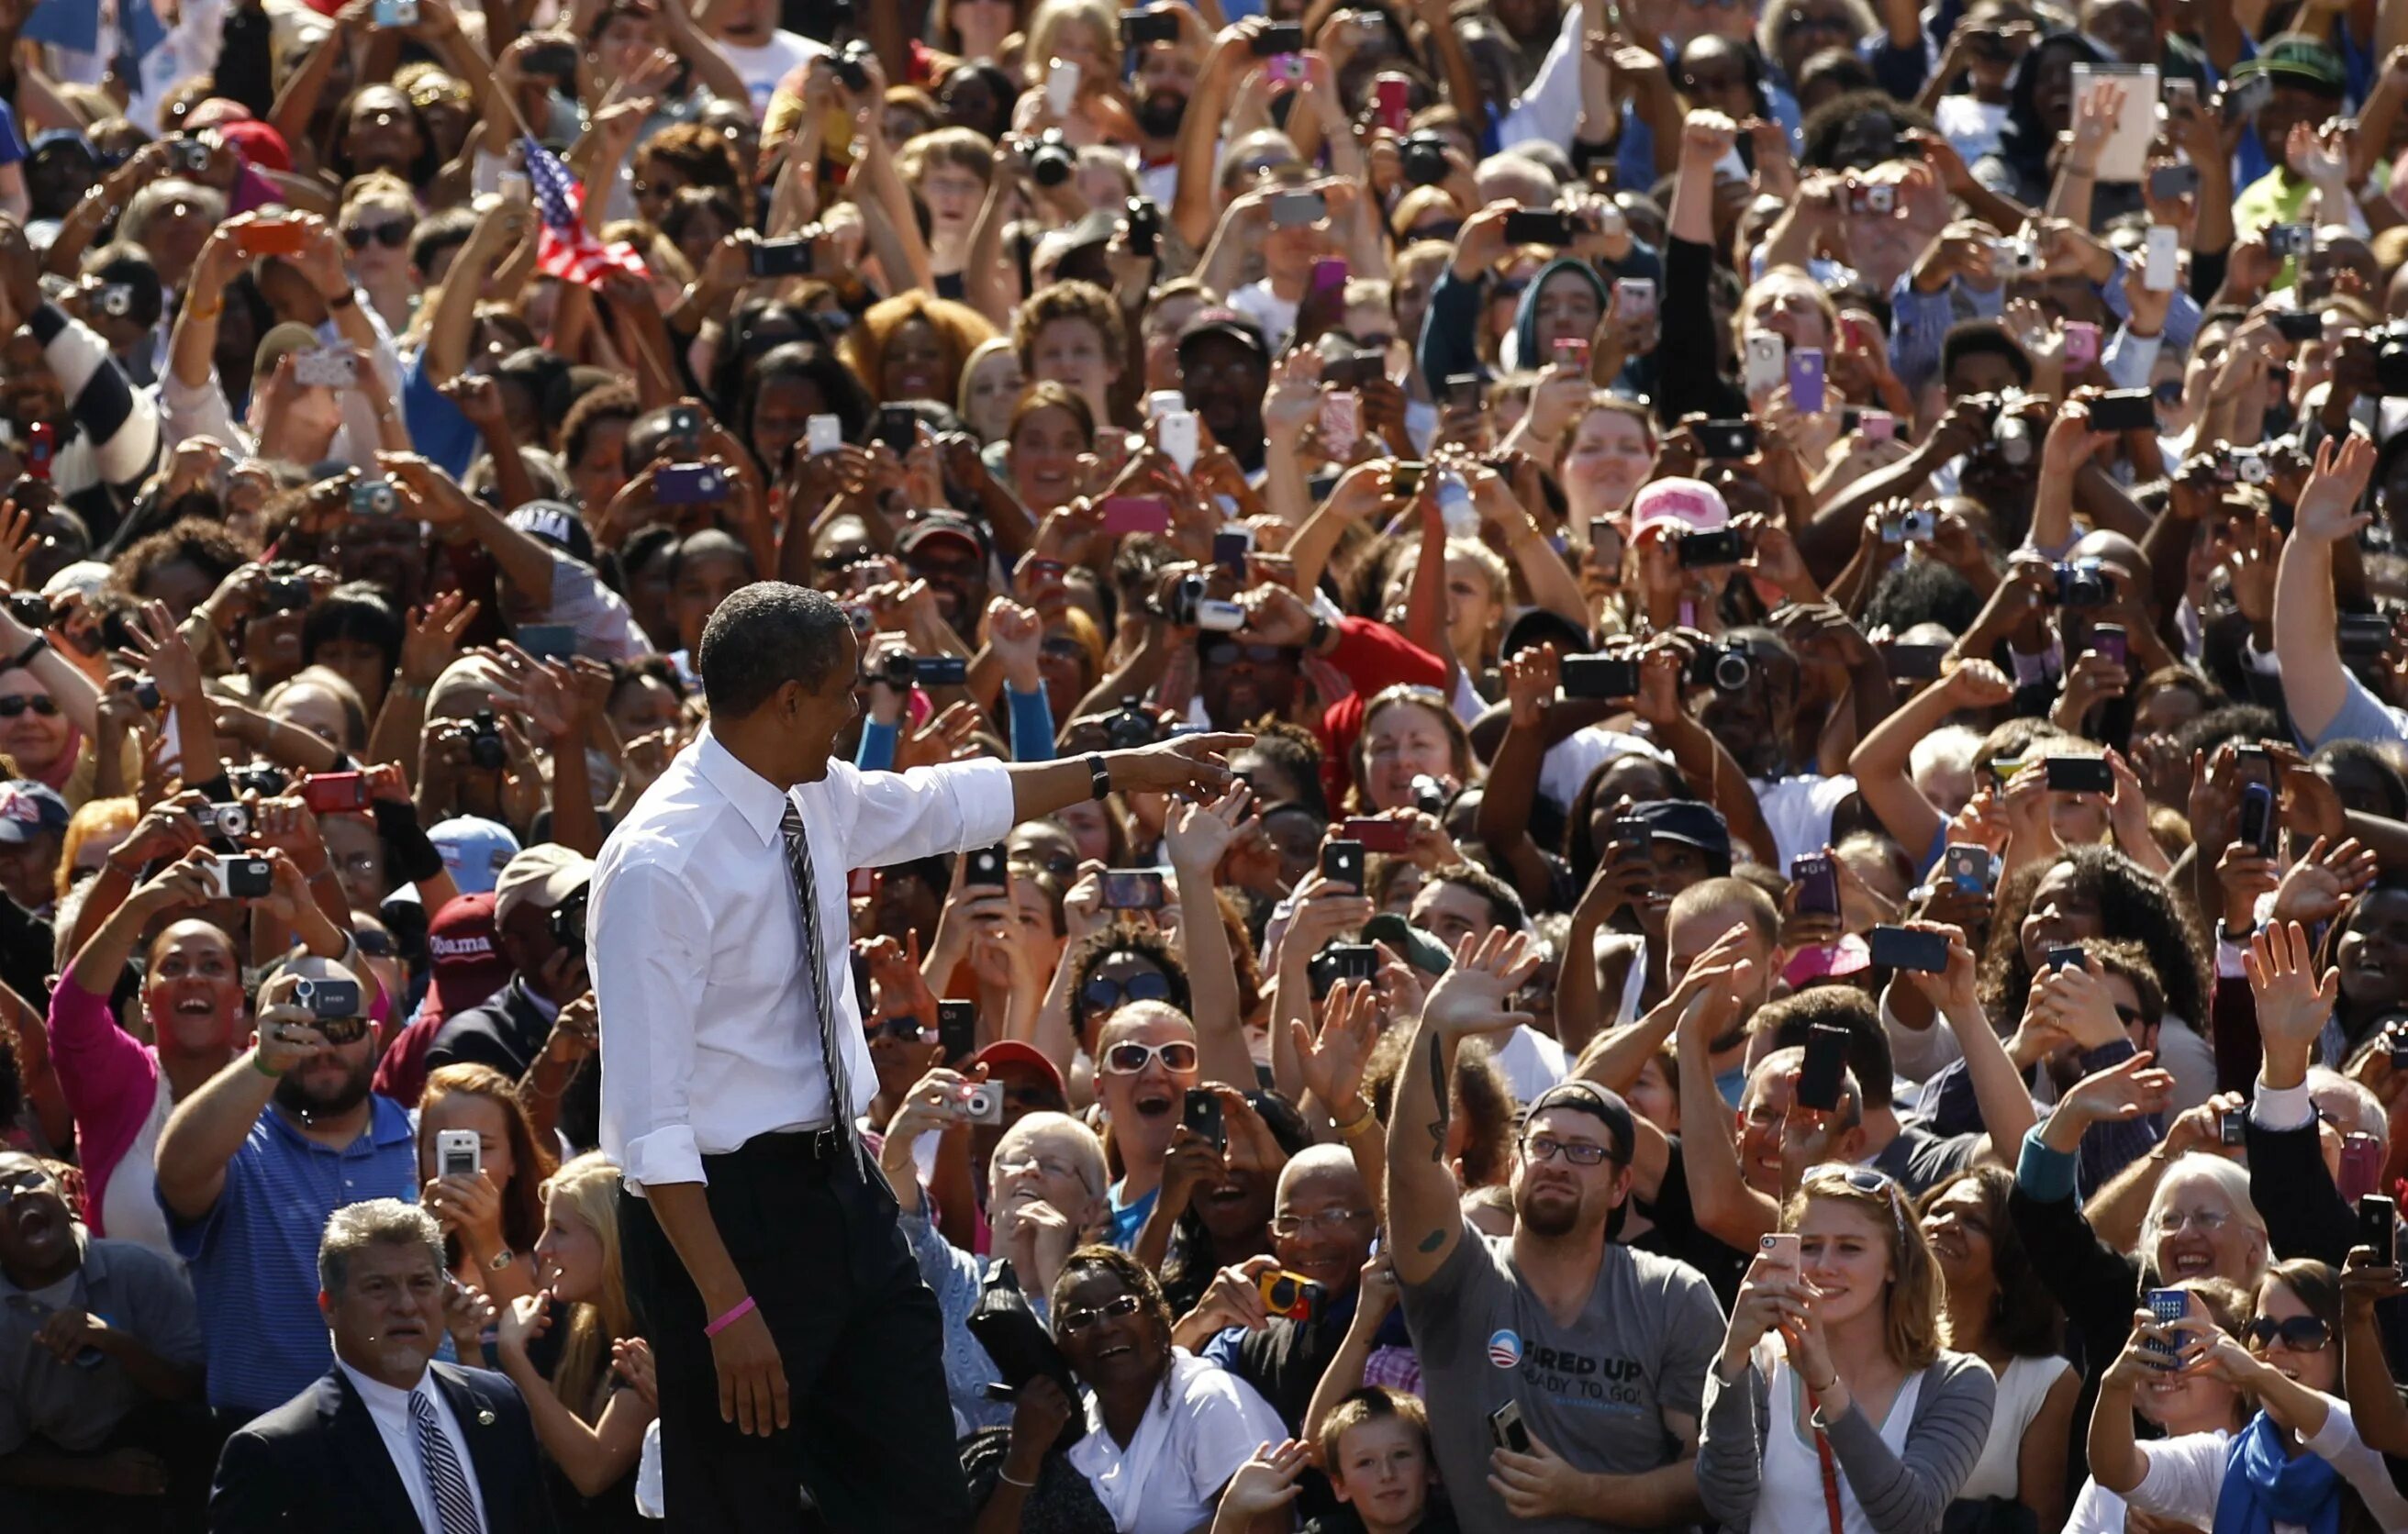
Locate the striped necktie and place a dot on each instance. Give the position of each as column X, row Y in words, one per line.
column 799, row 865
column 455, row 1507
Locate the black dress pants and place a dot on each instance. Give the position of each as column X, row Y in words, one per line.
column 870, row 1430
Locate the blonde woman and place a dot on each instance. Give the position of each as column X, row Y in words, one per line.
column 590, row 1413
column 1833, row 1402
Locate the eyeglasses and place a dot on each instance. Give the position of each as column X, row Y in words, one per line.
column 1329, row 1222
column 341, row 1030
column 17, row 703
column 2171, row 1222
column 1225, row 653
column 1131, row 1058
column 1102, row 992
column 393, row 234
column 2300, row 1333
column 1071, row 1323
column 905, row 1027
column 1580, row 1152
column 1039, row 1165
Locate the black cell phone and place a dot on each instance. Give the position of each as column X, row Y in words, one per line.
column 2063, row 956
column 1354, row 370
column 1697, row 550
column 1145, row 214
column 1463, row 391
column 2360, row 636
column 1967, row 866
column 1133, row 889
column 2124, row 411
column 1229, row 552
column 1505, row 1428
column 2293, row 325
column 1539, row 227
column 1904, row 948
column 1342, row 862
column 1355, row 961
column 1914, row 662
column 2174, row 182
column 2079, row 775
column 1279, row 38
column 987, row 867
column 1635, row 830
column 898, row 427
column 2258, row 821
column 1141, row 27
column 941, row 671
column 689, row 484
column 2394, row 1029
column 1826, row 1059
column 2378, row 1225
column 2232, row 1126
column 1726, row 438
column 782, row 258
column 1817, row 880
column 1600, row 676
column 1406, row 476
column 547, row 641
column 1201, row 1113
column 957, row 1029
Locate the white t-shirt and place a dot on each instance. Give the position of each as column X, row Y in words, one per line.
column 1532, row 1061
column 1276, row 315
column 765, row 65
column 1563, row 772
column 1971, row 127
column 1798, row 811
column 1193, row 1437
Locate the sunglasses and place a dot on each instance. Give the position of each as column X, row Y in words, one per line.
column 1223, row 653
column 393, row 234
column 1131, row 1058
column 1103, row 993
column 1071, row 1323
column 2300, row 1333
column 17, row 703
column 1864, row 1180
column 341, row 1030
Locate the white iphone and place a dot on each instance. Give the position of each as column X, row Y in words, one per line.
column 2157, row 266
column 1766, row 365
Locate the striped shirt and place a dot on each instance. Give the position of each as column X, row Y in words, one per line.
column 253, row 1256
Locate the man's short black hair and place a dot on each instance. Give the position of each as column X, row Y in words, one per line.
column 765, row 636
column 1924, row 592
column 1975, row 337
column 1505, row 908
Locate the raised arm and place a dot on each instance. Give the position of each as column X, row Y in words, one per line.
column 1195, row 838
column 1881, row 759
column 2316, row 685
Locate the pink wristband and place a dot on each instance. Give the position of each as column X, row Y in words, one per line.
column 727, row 1318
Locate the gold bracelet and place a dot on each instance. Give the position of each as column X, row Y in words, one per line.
column 1355, row 1125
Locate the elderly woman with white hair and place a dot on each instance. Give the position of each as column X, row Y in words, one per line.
column 1046, row 1197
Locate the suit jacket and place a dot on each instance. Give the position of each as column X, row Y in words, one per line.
column 318, row 1462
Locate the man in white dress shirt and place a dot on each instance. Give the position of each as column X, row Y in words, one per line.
column 795, row 1344
column 388, row 1439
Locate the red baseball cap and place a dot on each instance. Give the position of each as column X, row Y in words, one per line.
column 1014, row 1052
column 260, row 143
column 468, row 966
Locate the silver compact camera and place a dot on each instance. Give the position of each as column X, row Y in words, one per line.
column 978, row 1102
column 231, row 821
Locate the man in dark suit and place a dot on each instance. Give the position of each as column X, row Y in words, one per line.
column 388, row 1441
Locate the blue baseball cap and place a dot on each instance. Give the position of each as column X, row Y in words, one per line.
column 475, row 851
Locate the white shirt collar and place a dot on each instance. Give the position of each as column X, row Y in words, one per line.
column 381, row 1399
column 755, row 798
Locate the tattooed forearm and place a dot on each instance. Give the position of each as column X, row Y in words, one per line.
column 1438, row 1090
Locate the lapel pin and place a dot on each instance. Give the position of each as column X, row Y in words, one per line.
column 484, row 1418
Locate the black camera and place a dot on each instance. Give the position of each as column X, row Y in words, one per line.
column 286, row 593
column 1050, row 161
column 2082, row 583
column 329, row 998
column 850, row 70
column 1725, row 668
column 2391, row 359
column 31, row 609
column 1423, row 157
column 568, row 920
column 1125, row 729
column 485, row 741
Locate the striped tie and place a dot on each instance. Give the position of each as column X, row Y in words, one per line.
column 799, row 865
column 455, row 1509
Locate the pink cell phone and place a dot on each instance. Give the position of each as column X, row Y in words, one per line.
column 1780, row 1249
column 2081, row 344
column 1329, row 278
column 1394, row 94
column 2361, row 1167
column 1137, row 515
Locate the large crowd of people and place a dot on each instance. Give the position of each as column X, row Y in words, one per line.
column 1237, row 766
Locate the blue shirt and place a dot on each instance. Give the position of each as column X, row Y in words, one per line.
column 436, row 428
column 253, row 1256
column 1129, row 1220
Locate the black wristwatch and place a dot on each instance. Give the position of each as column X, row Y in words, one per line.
column 1101, row 775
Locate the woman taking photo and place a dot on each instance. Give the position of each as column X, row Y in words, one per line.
column 2177, row 1402
column 490, row 1219
column 588, row 1419
column 1165, row 1430
column 1994, row 1306
column 2300, row 1463
column 1856, row 1421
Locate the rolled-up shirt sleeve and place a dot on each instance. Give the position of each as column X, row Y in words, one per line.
column 650, row 947
column 894, row 817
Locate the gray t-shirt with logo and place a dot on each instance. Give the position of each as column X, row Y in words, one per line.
column 1596, row 1392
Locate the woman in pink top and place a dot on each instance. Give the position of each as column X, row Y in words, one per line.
column 120, row 1089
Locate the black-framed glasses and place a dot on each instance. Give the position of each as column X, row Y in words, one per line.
column 1102, row 992
column 1580, row 1152
column 1071, row 1323
column 393, row 234
column 1329, row 1222
column 2300, row 1333
column 17, row 703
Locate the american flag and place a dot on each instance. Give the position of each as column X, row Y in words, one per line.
column 565, row 248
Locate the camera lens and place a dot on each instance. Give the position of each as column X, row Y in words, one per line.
column 1731, row 670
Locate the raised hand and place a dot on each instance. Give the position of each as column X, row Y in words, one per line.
column 2328, row 511
column 2293, row 1002
column 1333, row 1060
column 1471, row 996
